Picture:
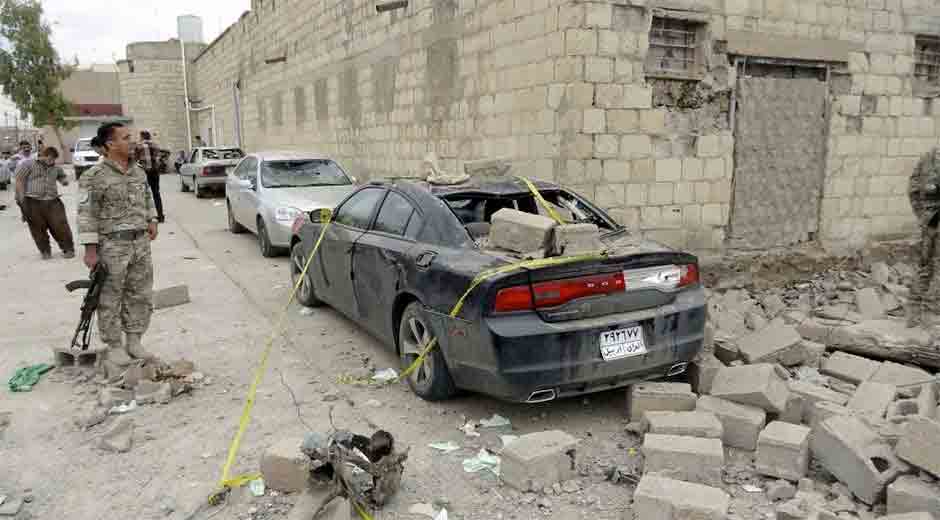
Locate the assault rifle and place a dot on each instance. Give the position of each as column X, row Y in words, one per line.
column 90, row 304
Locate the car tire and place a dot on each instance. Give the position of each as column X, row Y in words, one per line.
column 3, row 186
column 264, row 241
column 307, row 293
column 183, row 187
column 431, row 381
column 233, row 226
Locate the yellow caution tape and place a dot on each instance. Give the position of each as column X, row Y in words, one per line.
column 538, row 196
column 226, row 482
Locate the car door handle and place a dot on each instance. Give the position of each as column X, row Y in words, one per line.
column 424, row 259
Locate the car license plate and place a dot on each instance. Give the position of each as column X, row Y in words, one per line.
column 621, row 343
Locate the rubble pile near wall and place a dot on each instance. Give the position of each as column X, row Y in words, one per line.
column 821, row 384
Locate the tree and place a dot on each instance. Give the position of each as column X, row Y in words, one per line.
column 30, row 69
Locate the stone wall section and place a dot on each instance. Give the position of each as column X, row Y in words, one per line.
column 559, row 87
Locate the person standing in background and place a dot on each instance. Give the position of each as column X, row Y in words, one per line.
column 147, row 154
column 37, row 193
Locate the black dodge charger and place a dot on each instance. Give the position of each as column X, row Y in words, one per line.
column 398, row 255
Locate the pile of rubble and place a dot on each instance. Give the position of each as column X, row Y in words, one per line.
column 834, row 434
column 124, row 389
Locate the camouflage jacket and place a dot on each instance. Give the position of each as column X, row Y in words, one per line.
column 110, row 201
column 924, row 189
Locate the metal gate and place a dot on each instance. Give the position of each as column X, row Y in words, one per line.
column 780, row 146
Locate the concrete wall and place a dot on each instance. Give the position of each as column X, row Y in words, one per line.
column 559, row 87
column 151, row 81
column 92, row 87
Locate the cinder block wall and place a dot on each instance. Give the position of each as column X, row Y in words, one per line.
column 559, row 87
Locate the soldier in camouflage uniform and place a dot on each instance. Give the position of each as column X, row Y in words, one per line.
column 925, row 200
column 116, row 223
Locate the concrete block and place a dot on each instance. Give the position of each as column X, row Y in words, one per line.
column 850, row 367
column 727, row 352
column 576, row 239
column 857, row 456
column 170, row 297
column 660, row 498
column 691, row 424
column 771, row 345
column 869, row 303
column 795, row 410
column 910, row 516
column 873, row 398
column 909, row 494
column 814, row 393
column 520, row 232
column 822, row 410
column 920, row 444
column 538, row 460
column 285, row 468
column 900, row 375
column 741, row 424
column 659, row 397
column 702, row 372
column 757, row 385
column 691, row 459
column 783, row 451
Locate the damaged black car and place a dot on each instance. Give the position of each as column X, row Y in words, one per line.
column 590, row 307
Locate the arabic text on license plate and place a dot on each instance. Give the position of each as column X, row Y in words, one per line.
column 621, row 343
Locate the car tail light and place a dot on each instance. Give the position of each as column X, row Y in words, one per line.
column 212, row 170
column 689, row 275
column 511, row 299
column 554, row 293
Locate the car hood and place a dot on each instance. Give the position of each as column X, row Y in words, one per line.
column 306, row 199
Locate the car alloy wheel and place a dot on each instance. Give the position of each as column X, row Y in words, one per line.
column 267, row 250
column 431, row 379
column 306, row 294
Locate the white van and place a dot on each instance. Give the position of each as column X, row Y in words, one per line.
column 83, row 156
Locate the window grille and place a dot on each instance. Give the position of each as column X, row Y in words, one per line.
column 927, row 58
column 673, row 46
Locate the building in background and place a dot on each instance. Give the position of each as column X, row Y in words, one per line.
column 14, row 126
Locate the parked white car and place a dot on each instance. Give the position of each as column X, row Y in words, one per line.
column 267, row 192
column 83, row 156
column 207, row 167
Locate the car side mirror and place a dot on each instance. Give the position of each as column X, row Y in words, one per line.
column 321, row 216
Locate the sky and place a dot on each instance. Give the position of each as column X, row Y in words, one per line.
column 98, row 31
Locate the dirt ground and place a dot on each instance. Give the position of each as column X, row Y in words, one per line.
column 179, row 449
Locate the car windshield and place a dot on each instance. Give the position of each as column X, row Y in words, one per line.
column 302, row 173
column 222, row 153
column 83, row 146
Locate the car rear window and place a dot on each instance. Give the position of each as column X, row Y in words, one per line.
column 479, row 209
column 219, row 154
column 302, row 174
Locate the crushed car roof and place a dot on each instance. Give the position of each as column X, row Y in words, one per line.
column 486, row 188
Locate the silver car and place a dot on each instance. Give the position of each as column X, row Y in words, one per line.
column 207, row 168
column 268, row 191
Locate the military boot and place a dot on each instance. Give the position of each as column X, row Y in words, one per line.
column 135, row 349
column 117, row 354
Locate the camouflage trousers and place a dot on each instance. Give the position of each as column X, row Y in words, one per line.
column 925, row 293
column 127, row 296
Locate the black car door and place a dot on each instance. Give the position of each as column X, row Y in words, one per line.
column 334, row 277
column 381, row 260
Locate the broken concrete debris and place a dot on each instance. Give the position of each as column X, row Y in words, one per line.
column 652, row 397
column 873, row 398
column 119, row 437
column 538, row 460
column 285, row 468
column 920, row 444
column 849, row 367
column 693, row 424
column 783, row 451
column 909, row 494
column 520, row 232
column 741, row 424
column 576, row 239
column 757, row 385
column 170, row 297
column 777, row 343
column 691, row 459
column 661, row 498
column 856, row 455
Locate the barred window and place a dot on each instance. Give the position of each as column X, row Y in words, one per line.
column 927, row 58
column 674, row 46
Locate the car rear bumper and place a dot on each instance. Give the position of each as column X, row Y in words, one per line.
column 522, row 358
column 211, row 182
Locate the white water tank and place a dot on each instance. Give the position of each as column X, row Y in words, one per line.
column 189, row 28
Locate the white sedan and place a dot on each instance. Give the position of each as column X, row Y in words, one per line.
column 267, row 191
column 207, row 167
